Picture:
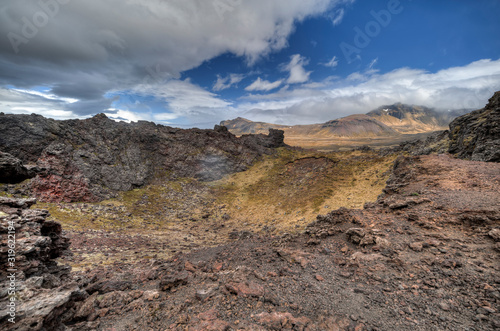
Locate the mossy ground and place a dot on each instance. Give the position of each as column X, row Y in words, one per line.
column 280, row 193
column 285, row 193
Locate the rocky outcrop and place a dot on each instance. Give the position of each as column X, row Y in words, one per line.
column 435, row 143
column 92, row 159
column 274, row 139
column 476, row 136
column 36, row 292
column 12, row 169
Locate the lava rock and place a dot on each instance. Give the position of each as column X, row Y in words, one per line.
column 12, row 170
column 476, row 136
column 93, row 159
column 174, row 280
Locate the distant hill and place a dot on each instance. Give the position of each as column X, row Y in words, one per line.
column 347, row 127
column 357, row 126
column 410, row 119
column 382, row 122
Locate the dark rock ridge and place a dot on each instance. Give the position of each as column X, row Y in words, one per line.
column 435, row 143
column 476, row 136
column 92, row 159
column 273, row 140
column 12, row 169
column 41, row 290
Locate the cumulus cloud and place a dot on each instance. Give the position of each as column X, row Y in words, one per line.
column 87, row 48
column 91, row 53
column 263, row 85
column 296, row 69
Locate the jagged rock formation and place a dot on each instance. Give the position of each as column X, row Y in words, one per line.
column 41, row 291
column 274, row 139
column 240, row 126
column 476, row 136
column 435, row 143
column 12, row 169
column 89, row 160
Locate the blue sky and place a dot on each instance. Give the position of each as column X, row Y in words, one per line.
column 196, row 62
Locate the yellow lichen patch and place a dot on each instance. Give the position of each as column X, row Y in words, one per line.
column 287, row 192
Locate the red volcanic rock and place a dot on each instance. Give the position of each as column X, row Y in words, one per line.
column 282, row 321
column 54, row 188
column 174, row 280
column 245, row 289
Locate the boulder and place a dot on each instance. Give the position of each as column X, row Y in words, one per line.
column 12, row 170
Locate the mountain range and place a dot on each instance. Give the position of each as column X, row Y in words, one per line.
column 386, row 121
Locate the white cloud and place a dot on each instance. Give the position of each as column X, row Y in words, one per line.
column 134, row 116
column 338, row 16
column 120, row 39
column 224, row 83
column 296, row 69
column 126, row 115
column 182, row 95
column 29, row 102
column 263, row 85
column 467, row 87
column 187, row 101
column 48, row 96
column 92, row 48
column 334, row 62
